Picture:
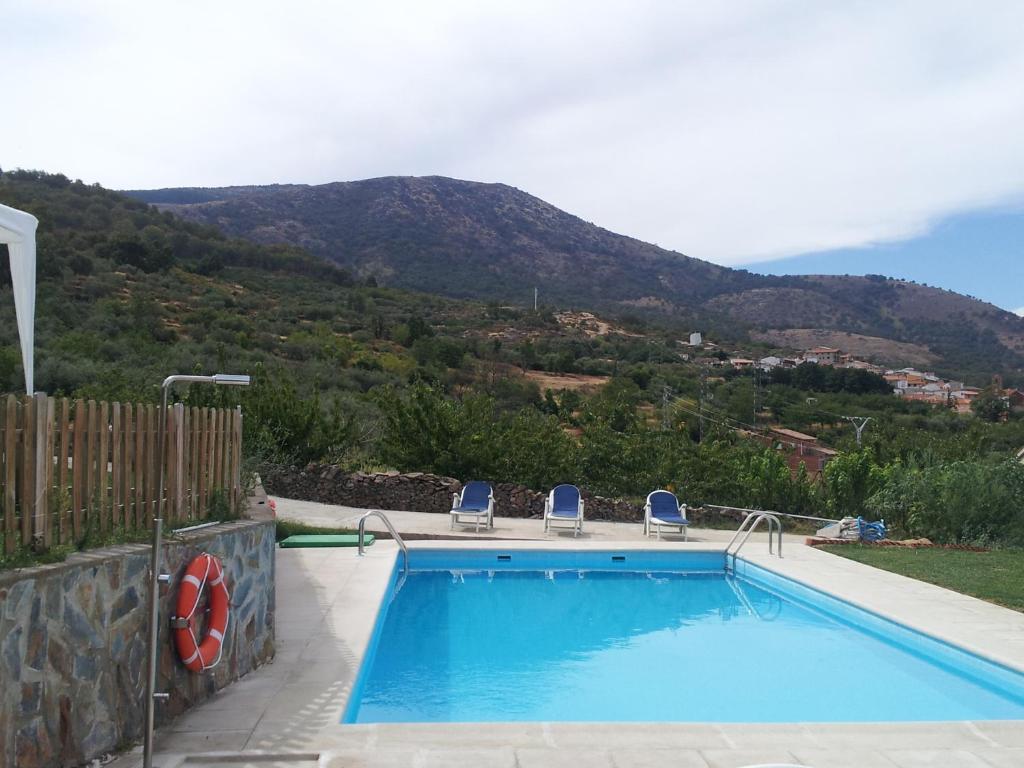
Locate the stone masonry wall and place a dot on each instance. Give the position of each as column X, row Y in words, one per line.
column 73, row 643
column 420, row 492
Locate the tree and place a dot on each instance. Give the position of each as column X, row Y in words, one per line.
column 851, row 478
column 990, row 405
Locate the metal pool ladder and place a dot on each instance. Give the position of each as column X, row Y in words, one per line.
column 746, row 528
column 394, row 535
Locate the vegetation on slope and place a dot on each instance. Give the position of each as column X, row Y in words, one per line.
column 376, row 377
column 494, row 242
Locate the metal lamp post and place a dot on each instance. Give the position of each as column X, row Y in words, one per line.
column 157, row 578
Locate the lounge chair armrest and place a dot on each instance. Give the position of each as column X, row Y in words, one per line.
column 455, row 501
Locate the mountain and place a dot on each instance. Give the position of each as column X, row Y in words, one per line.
column 126, row 295
column 454, row 237
column 495, row 242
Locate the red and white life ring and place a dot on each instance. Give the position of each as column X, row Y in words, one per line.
column 204, row 571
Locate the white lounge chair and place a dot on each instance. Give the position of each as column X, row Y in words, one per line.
column 476, row 502
column 663, row 510
column 564, row 505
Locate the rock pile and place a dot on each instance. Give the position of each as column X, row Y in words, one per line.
column 421, row 492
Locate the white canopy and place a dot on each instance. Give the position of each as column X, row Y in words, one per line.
column 18, row 231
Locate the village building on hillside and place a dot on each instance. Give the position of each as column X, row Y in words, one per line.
column 907, row 383
column 819, row 355
column 823, row 355
column 802, row 449
column 864, row 366
column 1014, row 399
column 926, row 387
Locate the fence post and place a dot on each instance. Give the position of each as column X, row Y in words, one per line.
column 116, row 465
column 193, row 463
column 44, row 469
column 78, row 462
column 202, row 462
column 63, row 450
column 236, row 481
column 11, row 473
column 89, row 470
column 103, row 437
column 179, row 460
column 28, row 472
column 127, row 478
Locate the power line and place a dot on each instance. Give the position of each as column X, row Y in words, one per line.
column 722, row 418
column 712, row 420
column 722, row 414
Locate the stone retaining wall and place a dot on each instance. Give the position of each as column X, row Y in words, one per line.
column 420, row 492
column 73, row 643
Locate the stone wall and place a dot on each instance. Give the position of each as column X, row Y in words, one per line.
column 73, row 643
column 420, row 492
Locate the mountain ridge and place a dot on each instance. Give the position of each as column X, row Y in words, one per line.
column 495, row 242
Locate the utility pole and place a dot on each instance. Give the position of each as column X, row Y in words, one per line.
column 700, row 406
column 666, row 398
column 535, row 299
column 859, row 422
column 757, row 391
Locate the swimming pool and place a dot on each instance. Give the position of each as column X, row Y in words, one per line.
column 485, row 636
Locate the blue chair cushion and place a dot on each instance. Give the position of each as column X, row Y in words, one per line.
column 475, row 497
column 565, row 501
column 567, row 513
column 665, row 507
column 674, row 519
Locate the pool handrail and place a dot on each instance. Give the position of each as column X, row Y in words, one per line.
column 391, row 530
column 747, row 527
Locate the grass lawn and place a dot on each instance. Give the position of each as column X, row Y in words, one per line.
column 286, row 528
column 996, row 576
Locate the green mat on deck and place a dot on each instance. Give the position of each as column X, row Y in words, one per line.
column 325, row 540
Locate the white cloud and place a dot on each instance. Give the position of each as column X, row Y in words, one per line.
column 733, row 132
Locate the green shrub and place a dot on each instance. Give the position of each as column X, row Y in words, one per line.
column 955, row 502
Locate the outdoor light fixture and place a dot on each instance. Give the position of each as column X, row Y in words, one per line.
column 157, row 578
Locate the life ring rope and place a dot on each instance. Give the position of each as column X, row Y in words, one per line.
column 195, row 655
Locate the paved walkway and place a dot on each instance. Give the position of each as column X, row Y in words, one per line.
column 288, row 713
column 414, row 525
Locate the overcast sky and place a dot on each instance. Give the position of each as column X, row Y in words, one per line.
column 731, row 131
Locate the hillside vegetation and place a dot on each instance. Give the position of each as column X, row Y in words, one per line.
column 494, row 242
column 372, row 377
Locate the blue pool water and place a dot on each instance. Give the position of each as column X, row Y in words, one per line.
column 652, row 637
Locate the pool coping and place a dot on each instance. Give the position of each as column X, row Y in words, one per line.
column 934, row 625
column 303, row 695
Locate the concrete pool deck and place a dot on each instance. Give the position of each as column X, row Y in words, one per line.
column 288, row 713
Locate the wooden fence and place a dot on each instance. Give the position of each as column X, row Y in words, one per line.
column 70, row 467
